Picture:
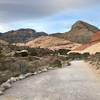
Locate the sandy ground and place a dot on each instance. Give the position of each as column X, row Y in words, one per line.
column 93, row 49
column 75, row 82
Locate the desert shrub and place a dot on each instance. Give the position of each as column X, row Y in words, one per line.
column 43, row 52
column 85, row 55
column 33, row 52
column 55, row 63
column 14, row 66
column 95, row 60
column 68, row 63
column 30, row 67
column 74, row 55
column 4, row 75
column 63, row 51
column 97, row 54
column 1, row 54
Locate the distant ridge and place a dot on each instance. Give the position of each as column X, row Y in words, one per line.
column 81, row 32
column 21, row 35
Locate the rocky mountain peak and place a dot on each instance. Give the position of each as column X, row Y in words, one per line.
column 79, row 25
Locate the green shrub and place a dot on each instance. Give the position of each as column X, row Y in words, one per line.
column 55, row 63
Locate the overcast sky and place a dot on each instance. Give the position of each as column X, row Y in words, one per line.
column 47, row 15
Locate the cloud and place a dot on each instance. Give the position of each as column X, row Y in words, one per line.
column 16, row 10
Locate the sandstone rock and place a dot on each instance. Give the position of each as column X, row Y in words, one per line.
column 13, row 79
column 22, row 53
column 28, row 74
column 35, row 73
column 44, row 70
column 50, row 68
column 21, row 77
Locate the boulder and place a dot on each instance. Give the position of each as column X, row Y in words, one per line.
column 35, row 73
column 22, row 53
column 28, row 74
column 44, row 70
column 6, row 85
column 1, row 93
column 21, row 77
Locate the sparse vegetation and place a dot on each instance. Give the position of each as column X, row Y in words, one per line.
column 95, row 60
column 22, row 62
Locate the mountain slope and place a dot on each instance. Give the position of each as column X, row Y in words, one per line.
column 94, row 39
column 81, row 32
column 51, row 43
column 21, row 35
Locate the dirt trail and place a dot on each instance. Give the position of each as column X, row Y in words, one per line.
column 75, row 82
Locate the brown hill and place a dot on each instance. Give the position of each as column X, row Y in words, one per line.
column 21, row 35
column 81, row 32
column 51, row 43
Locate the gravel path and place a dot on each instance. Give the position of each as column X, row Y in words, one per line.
column 75, row 82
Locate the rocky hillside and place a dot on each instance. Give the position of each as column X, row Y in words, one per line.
column 95, row 37
column 21, row 35
column 81, row 32
column 92, row 46
column 51, row 43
